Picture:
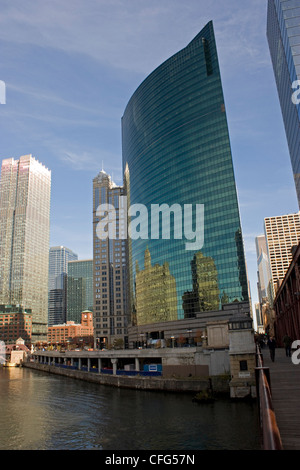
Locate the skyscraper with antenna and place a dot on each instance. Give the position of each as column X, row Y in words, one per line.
column 109, row 278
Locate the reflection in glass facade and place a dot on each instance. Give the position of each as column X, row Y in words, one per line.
column 161, row 286
column 205, row 295
column 283, row 33
column 176, row 150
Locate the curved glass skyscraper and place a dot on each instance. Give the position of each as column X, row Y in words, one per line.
column 283, row 33
column 177, row 160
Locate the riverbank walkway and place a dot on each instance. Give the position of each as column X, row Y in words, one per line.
column 285, row 389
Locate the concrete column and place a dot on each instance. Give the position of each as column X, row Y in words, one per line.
column 49, row 360
column 114, row 363
column 72, row 361
column 79, row 363
column 99, row 364
column 89, row 364
column 137, row 363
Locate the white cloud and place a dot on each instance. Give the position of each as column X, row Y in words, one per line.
column 136, row 34
column 131, row 38
column 92, row 161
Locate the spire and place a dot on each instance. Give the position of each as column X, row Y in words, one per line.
column 103, row 175
column 147, row 259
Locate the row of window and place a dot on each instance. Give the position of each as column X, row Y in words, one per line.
column 119, row 331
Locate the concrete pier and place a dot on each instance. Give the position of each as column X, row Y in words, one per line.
column 179, row 370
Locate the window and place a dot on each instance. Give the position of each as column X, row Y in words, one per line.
column 243, row 365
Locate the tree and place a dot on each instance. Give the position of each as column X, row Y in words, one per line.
column 181, row 340
column 198, row 337
column 118, row 343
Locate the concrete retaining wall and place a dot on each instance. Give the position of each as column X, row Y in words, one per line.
column 137, row 382
column 189, row 370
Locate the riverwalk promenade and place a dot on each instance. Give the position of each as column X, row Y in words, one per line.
column 285, row 389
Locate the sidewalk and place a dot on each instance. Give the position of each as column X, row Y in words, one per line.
column 285, row 388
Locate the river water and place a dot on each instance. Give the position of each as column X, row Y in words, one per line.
column 40, row 411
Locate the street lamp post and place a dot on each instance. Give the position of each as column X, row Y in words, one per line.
column 142, row 335
column 189, row 332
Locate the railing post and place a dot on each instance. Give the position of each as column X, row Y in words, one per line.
column 269, row 428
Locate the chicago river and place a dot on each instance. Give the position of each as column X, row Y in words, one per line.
column 41, row 411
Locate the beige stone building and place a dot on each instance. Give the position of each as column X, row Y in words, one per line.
column 282, row 234
column 109, row 259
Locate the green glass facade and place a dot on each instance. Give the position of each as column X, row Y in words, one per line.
column 283, row 33
column 79, row 289
column 176, row 150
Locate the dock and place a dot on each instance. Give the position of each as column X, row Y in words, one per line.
column 285, row 390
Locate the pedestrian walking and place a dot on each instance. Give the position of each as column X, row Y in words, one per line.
column 287, row 341
column 272, row 347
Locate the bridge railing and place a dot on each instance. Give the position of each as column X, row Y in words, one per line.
column 271, row 439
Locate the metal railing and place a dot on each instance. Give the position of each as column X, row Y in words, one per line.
column 271, row 439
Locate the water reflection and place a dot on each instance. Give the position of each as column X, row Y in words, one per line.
column 47, row 412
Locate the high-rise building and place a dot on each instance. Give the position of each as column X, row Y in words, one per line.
column 283, row 33
column 79, row 288
column 258, row 318
column 282, row 234
column 263, row 266
column 59, row 256
column 178, row 172
column 25, row 189
column 110, row 313
column 264, row 289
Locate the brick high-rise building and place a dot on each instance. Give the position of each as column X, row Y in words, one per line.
column 70, row 332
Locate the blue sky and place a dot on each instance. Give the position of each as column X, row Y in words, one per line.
column 70, row 68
